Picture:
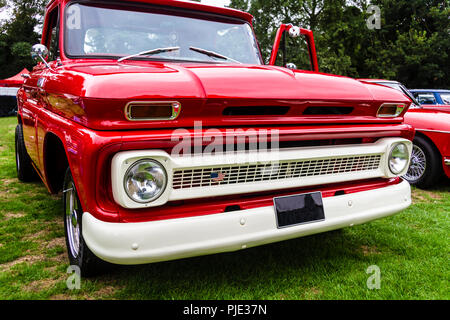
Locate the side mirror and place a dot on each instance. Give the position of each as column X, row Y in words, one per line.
column 294, row 32
column 39, row 53
column 291, row 66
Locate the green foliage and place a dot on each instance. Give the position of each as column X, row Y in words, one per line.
column 412, row 45
column 18, row 34
column 21, row 52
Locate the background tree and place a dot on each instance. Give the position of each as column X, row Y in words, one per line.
column 412, row 46
column 18, row 34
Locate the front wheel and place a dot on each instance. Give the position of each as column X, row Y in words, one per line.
column 426, row 165
column 24, row 166
column 79, row 253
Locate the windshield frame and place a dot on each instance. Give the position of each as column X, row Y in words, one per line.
column 179, row 11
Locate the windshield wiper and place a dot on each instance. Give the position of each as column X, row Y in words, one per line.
column 213, row 54
column 150, row 52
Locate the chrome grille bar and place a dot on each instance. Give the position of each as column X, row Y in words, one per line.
column 250, row 173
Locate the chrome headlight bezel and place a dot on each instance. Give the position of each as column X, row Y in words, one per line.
column 162, row 188
column 407, row 159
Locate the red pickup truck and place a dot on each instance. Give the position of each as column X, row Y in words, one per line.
column 170, row 138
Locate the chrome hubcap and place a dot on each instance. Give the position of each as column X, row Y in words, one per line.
column 418, row 165
column 72, row 220
column 17, row 157
column 17, row 161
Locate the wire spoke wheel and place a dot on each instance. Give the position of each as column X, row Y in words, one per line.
column 418, row 165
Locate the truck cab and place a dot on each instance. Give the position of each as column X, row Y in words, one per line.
column 169, row 137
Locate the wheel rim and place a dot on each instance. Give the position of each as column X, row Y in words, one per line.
column 73, row 220
column 418, row 165
column 17, row 157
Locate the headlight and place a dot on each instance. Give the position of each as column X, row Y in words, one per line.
column 145, row 181
column 398, row 158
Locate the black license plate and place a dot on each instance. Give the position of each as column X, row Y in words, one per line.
column 299, row 209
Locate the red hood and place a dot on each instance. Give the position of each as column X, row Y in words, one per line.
column 98, row 94
column 137, row 81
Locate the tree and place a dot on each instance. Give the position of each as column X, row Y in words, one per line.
column 412, row 46
column 19, row 33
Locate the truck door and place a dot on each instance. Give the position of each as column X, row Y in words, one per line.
column 51, row 41
column 30, row 108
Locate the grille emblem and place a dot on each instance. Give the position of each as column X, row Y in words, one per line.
column 217, row 176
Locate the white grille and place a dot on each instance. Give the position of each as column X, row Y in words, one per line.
column 249, row 173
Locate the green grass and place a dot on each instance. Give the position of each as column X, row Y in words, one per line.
column 411, row 249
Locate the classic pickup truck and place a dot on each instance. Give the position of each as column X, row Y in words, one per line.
column 170, row 137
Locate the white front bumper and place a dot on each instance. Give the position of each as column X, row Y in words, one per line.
column 147, row 242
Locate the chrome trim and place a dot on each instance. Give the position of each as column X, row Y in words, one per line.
column 39, row 53
column 73, row 219
column 166, row 181
column 175, row 111
column 390, row 155
column 393, row 115
column 438, row 131
column 447, row 162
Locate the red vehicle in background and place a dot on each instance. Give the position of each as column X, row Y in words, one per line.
column 430, row 158
column 170, row 138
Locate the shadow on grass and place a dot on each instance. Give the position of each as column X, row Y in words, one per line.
column 442, row 185
column 261, row 272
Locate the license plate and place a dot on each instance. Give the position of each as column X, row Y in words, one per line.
column 299, row 209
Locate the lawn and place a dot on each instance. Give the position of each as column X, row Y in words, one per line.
column 411, row 249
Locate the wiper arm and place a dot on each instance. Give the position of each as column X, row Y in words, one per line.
column 213, row 54
column 150, row 52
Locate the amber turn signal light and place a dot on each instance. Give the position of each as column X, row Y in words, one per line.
column 390, row 110
column 152, row 111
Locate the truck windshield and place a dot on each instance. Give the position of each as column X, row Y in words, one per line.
column 116, row 31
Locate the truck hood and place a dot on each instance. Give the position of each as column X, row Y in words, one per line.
column 96, row 95
column 168, row 80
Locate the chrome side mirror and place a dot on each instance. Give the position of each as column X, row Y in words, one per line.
column 291, row 66
column 39, row 53
column 294, row 32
